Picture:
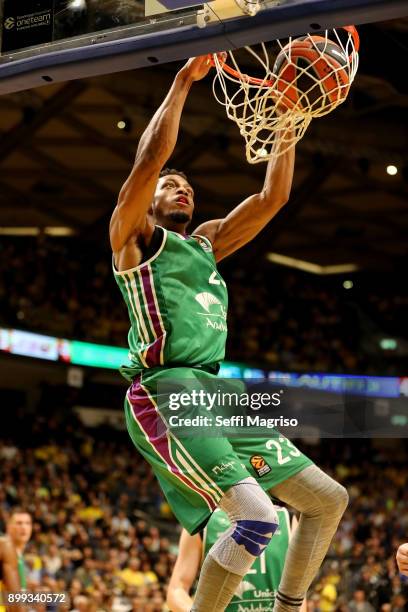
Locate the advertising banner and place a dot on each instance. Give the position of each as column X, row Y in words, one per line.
column 26, row 23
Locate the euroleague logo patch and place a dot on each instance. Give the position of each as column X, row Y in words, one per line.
column 259, row 464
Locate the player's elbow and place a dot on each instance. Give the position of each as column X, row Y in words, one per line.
column 274, row 200
column 155, row 147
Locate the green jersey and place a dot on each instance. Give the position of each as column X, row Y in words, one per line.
column 22, row 571
column 256, row 593
column 177, row 304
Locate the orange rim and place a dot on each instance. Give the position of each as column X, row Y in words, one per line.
column 239, row 75
column 268, row 83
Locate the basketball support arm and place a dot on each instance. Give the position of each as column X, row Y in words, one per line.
column 247, row 219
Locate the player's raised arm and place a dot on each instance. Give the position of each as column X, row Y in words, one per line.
column 184, row 573
column 245, row 221
column 155, row 147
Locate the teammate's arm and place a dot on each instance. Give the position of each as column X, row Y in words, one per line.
column 245, row 221
column 184, row 573
column 402, row 559
column 155, row 147
column 10, row 573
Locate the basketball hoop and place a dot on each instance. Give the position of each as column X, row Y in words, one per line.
column 307, row 77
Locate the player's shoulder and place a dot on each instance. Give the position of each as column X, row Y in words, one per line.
column 6, row 546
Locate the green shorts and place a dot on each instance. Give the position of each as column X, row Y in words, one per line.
column 194, row 472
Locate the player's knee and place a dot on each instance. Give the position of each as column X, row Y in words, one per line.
column 342, row 498
column 337, row 501
column 267, row 513
column 252, row 514
column 255, row 534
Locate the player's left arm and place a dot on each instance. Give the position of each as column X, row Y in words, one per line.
column 245, row 221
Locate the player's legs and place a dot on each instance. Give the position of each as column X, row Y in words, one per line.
column 322, row 502
column 281, row 469
column 253, row 522
column 196, row 475
column 194, row 472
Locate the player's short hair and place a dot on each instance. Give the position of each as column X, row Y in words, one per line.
column 18, row 510
column 167, row 171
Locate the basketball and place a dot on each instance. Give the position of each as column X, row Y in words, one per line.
column 311, row 74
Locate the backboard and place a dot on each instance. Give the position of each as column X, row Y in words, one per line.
column 44, row 41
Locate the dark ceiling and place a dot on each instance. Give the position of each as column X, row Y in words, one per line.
column 63, row 159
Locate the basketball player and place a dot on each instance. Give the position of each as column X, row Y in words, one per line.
column 13, row 579
column 19, row 529
column 258, row 588
column 177, row 303
column 9, row 574
column 402, row 559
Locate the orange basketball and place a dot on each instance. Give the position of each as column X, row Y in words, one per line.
column 311, row 74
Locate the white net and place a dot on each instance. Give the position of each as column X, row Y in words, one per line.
column 295, row 81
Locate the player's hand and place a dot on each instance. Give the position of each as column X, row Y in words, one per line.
column 198, row 67
column 402, row 559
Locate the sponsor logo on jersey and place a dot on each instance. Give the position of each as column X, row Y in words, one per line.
column 260, row 465
column 257, row 607
column 244, row 586
column 229, row 465
column 219, row 326
column 266, row 598
column 210, row 303
column 213, row 308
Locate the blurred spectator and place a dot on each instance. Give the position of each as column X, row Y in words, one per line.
column 131, row 575
column 359, row 604
column 115, row 561
column 328, row 593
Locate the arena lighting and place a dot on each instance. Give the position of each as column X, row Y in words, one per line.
column 307, row 266
column 19, row 231
column 59, row 231
column 392, row 170
column 77, row 5
column 388, row 344
column 36, row 231
column 124, row 124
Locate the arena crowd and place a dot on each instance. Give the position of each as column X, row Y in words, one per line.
column 277, row 318
column 103, row 534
